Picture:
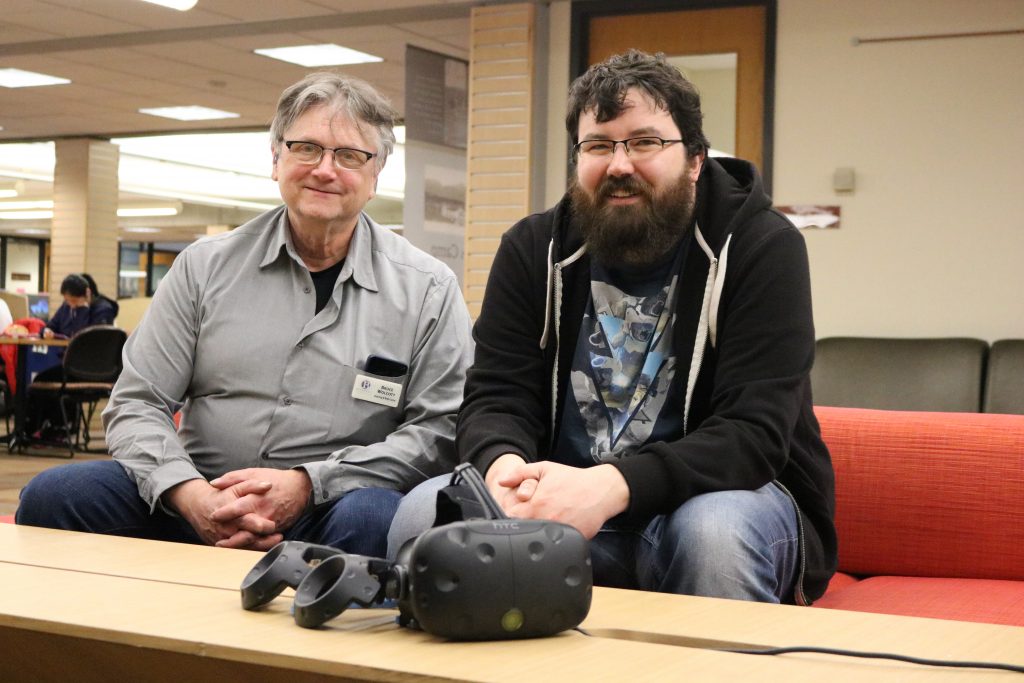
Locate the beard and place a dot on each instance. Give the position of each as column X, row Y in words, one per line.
column 637, row 235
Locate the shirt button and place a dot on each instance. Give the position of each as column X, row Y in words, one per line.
column 307, row 290
column 287, row 400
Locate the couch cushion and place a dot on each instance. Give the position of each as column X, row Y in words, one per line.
column 899, row 374
column 840, row 581
column 928, row 494
column 988, row 601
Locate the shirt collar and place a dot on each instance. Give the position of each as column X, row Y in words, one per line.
column 358, row 262
column 278, row 239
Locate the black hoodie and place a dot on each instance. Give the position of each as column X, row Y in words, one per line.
column 743, row 331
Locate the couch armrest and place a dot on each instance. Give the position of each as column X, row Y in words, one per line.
column 928, row 494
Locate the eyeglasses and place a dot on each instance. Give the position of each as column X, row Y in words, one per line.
column 344, row 157
column 636, row 148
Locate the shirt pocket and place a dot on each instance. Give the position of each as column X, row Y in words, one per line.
column 357, row 420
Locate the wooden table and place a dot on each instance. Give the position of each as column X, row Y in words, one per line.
column 94, row 608
column 19, row 438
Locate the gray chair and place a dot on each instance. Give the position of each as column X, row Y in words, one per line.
column 899, row 374
column 91, row 365
column 1004, row 381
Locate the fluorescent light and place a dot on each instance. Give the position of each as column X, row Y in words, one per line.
column 146, row 211
column 21, row 206
column 180, row 5
column 32, row 231
column 327, row 54
column 145, row 230
column 189, row 113
column 16, row 78
column 44, row 209
column 24, row 215
column 8, row 193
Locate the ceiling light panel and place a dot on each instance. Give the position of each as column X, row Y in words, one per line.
column 189, row 113
column 325, row 54
column 180, row 5
column 17, row 78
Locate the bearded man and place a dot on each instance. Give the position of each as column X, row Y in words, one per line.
column 643, row 356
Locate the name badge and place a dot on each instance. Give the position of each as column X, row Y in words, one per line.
column 376, row 390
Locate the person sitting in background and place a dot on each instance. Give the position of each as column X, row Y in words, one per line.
column 6, row 319
column 80, row 309
column 98, row 299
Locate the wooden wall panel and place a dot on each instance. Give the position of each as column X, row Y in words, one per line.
column 83, row 235
column 501, row 77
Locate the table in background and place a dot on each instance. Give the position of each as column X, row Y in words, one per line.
column 82, row 607
column 27, row 367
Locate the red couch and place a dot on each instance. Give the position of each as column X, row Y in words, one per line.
column 930, row 513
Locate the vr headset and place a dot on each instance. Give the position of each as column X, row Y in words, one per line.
column 481, row 576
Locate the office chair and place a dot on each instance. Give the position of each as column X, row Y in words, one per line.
column 91, row 365
column 6, row 404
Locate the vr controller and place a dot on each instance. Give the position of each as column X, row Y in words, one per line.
column 478, row 579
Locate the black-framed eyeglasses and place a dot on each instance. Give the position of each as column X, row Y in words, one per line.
column 344, row 157
column 636, row 148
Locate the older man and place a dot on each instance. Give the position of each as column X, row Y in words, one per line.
column 317, row 360
column 643, row 359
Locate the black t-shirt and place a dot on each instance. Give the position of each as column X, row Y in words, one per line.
column 324, row 281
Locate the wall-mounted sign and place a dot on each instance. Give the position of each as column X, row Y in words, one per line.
column 436, row 97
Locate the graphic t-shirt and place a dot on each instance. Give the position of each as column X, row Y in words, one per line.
column 622, row 392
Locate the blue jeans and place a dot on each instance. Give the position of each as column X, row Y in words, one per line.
column 99, row 497
column 728, row 544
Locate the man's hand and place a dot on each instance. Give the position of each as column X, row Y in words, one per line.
column 501, row 468
column 282, row 503
column 196, row 500
column 583, row 497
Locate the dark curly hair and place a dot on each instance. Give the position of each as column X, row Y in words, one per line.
column 603, row 88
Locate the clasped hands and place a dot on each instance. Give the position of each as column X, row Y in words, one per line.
column 247, row 508
column 583, row 497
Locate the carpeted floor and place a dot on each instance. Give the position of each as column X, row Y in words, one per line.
column 16, row 469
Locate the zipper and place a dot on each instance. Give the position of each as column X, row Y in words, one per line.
column 557, row 305
column 799, row 596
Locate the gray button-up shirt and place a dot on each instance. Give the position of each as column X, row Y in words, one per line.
column 231, row 339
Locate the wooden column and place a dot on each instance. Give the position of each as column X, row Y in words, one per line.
column 83, row 237
column 501, row 79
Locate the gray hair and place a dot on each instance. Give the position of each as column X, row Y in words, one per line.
column 354, row 97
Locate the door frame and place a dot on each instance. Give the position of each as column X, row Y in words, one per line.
column 579, row 41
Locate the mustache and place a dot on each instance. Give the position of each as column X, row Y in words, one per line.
column 631, row 184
